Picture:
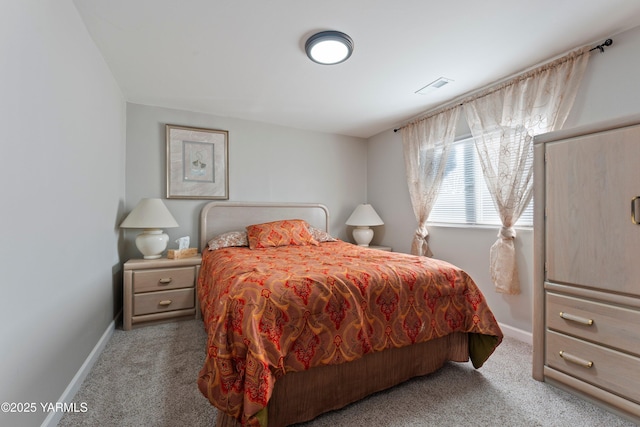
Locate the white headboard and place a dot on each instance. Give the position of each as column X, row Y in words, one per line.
column 220, row 217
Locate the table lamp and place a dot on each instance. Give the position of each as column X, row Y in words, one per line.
column 152, row 216
column 363, row 217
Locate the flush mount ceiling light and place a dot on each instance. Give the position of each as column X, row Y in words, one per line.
column 329, row 47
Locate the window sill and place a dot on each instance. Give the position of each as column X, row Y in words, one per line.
column 496, row 227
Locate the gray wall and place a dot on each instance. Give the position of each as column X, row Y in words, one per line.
column 267, row 163
column 62, row 185
column 610, row 89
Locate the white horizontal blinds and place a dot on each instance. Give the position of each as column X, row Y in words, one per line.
column 452, row 204
column 464, row 197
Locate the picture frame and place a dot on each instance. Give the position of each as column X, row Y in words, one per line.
column 197, row 163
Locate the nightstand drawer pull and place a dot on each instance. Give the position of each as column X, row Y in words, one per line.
column 576, row 360
column 165, row 303
column 166, row 280
column 577, row 319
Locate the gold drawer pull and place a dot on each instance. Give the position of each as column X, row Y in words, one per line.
column 635, row 211
column 575, row 359
column 166, row 280
column 165, row 303
column 577, row 319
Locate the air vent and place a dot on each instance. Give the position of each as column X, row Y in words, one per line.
column 436, row 84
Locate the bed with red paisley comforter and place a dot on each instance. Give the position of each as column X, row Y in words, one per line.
column 296, row 330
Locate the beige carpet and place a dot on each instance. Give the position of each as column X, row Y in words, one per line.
column 147, row 377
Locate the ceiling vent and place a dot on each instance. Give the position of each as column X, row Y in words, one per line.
column 436, row 84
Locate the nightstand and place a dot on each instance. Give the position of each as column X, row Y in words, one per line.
column 381, row 248
column 160, row 289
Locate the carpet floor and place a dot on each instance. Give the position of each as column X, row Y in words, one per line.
column 147, row 377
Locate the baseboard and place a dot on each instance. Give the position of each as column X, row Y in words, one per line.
column 518, row 334
column 67, row 396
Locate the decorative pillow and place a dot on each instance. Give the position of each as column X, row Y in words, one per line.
column 321, row 236
column 280, row 233
column 225, row 240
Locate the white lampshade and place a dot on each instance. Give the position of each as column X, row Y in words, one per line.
column 363, row 217
column 152, row 216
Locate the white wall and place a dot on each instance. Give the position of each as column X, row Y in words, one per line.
column 267, row 163
column 62, row 184
column 610, row 89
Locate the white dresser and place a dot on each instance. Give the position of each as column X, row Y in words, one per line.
column 587, row 263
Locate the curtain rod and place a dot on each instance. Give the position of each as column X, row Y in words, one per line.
column 461, row 100
column 600, row 47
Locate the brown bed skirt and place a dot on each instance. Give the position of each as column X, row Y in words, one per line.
column 302, row 396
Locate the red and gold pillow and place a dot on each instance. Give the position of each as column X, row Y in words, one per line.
column 280, row 233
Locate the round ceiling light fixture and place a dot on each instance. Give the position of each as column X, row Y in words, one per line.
column 329, row 47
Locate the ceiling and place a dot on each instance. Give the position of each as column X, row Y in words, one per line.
column 245, row 58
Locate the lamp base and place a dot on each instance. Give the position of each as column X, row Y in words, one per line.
column 362, row 235
column 151, row 243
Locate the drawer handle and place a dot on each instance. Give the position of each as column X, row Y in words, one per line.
column 165, row 303
column 577, row 319
column 576, row 360
column 166, row 280
column 634, row 215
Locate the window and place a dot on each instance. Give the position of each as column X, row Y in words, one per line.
column 464, row 197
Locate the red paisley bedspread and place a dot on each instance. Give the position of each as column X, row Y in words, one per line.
column 276, row 310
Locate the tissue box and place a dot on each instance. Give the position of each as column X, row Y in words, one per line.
column 182, row 253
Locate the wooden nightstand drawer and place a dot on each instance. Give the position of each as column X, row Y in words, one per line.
column 159, row 290
column 606, row 324
column 611, row 370
column 157, row 302
column 163, row 279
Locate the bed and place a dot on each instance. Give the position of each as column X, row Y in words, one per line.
column 300, row 323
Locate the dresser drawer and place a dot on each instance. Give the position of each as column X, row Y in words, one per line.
column 611, row 370
column 158, row 302
column 163, row 279
column 606, row 324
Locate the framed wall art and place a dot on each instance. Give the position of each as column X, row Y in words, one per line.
column 197, row 163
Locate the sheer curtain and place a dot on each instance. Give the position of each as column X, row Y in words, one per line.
column 503, row 122
column 426, row 145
